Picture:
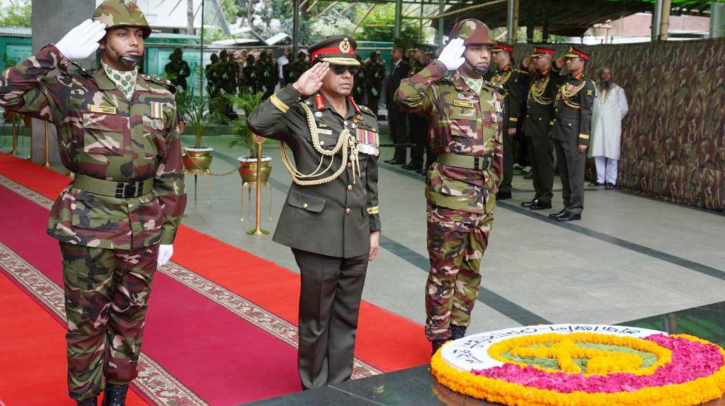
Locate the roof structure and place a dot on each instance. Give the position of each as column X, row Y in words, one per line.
column 567, row 17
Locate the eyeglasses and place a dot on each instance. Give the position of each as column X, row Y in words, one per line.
column 340, row 69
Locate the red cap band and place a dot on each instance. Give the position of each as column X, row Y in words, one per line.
column 581, row 54
column 504, row 48
column 545, row 51
column 329, row 50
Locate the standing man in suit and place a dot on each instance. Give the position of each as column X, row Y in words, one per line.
column 397, row 117
column 330, row 219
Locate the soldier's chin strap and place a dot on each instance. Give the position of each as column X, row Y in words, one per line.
column 130, row 61
column 475, row 69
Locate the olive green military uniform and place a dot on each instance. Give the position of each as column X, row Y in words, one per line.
column 512, row 81
column 572, row 124
column 538, row 124
column 327, row 219
column 375, row 74
column 122, row 142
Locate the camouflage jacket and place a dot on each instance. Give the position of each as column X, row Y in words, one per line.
column 461, row 122
column 102, row 135
column 539, row 118
column 573, row 110
column 336, row 218
column 512, row 80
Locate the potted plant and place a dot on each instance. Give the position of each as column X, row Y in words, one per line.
column 194, row 111
column 245, row 138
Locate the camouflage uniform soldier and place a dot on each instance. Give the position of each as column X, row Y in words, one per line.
column 118, row 132
column 573, row 116
column 375, row 73
column 331, row 217
column 298, row 67
column 466, row 115
column 212, row 90
column 511, row 80
column 178, row 70
column 358, row 92
column 251, row 84
column 266, row 74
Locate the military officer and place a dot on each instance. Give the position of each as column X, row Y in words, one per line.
column 118, row 132
column 417, row 123
column 298, row 66
column 330, row 218
column 375, row 74
column 466, row 114
column 538, row 124
column 511, row 79
column 178, row 69
column 573, row 115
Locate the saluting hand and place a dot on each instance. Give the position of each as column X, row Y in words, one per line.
column 82, row 41
column 452, row 54
column 311, row 81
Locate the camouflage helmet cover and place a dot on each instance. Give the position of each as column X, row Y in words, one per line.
column 472, row 32
column 122, row 13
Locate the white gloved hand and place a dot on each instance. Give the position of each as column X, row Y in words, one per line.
column 452, row 54
column 165, row 253
column 82, row 41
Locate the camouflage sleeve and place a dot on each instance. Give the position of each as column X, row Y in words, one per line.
column 587, row 101
column 498, row 150
column 267, row 119
column 372, row 186
column 169, row 184
column 26, row 89
column 414, row 95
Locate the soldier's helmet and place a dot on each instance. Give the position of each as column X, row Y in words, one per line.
column 250, row 59
column 223, row 54
column 178, row 51
column 472, row 32
column 122, row 13
column 214, row 58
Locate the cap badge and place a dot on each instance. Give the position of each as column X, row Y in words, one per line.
column 344, row 46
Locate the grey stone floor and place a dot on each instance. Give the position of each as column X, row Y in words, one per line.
column 629, row 258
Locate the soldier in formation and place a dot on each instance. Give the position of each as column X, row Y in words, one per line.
column 572, row 124
column 178, row 70
column 266, row 74
column 249, row 73
column 417, row 123
column 118, row 219
column 331, row 218
column 298, row 66
column 466, row 114
column 358, row 93
column 511, row 79
column 375, row 75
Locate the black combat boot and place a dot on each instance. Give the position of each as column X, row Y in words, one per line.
column 436, row 345
column 457, row 332
column 115, row 395
column 89, row 402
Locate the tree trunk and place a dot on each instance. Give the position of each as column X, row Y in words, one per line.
column 190, row 17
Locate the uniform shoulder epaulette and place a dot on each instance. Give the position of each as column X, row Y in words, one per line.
column 521, row 71
column 79, row 71
column 366, row 109
column 162, row 82
column 495, row 87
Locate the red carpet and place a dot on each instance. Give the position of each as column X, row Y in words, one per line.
column 224, row 357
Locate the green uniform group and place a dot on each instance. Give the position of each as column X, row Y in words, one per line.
column 121, row 140
column 330, row 212
column 466, row 117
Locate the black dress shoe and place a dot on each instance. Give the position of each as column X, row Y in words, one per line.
column 503, row 195
column 529, row 176
column 88, row 402
column 569, row 216
column 394, row 162
column 557, row 215
column 529, row 204
column 412, row 167
column 539, row 205
column 596, row 184
column 457, row 332
column 609, row 186
column 115, row 395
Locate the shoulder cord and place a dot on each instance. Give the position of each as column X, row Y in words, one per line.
column 538, row 93
column 345, row 143
column 566, row 95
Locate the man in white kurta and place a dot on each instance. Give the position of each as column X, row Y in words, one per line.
column 610, row 107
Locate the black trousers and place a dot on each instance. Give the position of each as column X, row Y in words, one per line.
column 571, row 164
column 329, row 307
column 508, row 162
column 398, row 123
column 419, row 137
column 541, row 157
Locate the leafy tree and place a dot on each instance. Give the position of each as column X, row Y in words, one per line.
column 17, row 15
column 385, row 16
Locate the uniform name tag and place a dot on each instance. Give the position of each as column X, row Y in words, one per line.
column 326, row 132
column 103, row 109
column 463, row 103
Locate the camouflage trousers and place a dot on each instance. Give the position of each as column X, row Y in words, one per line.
column 106, row 295
column 457, row 241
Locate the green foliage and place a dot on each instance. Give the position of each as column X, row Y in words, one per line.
column 194, row 109
column 243, row 134
column 17, row 15
column 385, row 15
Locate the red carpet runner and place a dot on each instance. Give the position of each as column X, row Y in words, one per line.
column 221, row 323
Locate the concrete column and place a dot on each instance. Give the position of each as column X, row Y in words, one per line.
column 665, row 20
column 398, row 18
column 52, row 19
column 656, row 20
column 441, row 25
column 717, row 20
column 295, row 27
